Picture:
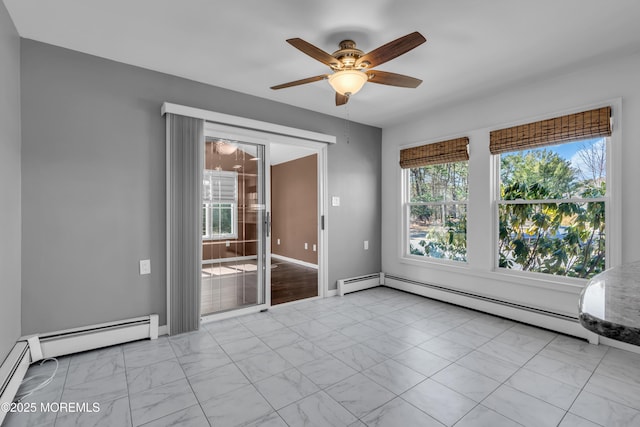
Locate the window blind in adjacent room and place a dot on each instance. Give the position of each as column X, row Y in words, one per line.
column 220, row 186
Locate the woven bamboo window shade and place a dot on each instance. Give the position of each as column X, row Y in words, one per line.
column 453, row 150
column 572, row 127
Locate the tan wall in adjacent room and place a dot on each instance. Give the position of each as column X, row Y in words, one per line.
column 294, row 208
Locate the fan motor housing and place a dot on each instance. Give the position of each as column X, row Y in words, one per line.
column 348, row 54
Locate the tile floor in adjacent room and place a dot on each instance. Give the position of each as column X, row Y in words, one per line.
column 377, row 358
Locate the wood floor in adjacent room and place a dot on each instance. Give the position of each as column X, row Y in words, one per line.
column 228, row 286
column 292, row 282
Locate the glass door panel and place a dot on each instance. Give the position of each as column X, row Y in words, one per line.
column 233, row 225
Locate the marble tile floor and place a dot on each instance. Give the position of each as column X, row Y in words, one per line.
column 374, row 358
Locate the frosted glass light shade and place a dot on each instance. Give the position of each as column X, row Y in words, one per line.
column 347, row 81
column 225, row 148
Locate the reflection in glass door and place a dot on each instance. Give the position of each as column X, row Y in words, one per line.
column 233, row 226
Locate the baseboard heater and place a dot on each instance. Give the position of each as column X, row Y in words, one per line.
column 559, row 322
column 12, row 372
column 391, row 278
column 60, row 343
column 359, row 283
column 33, row 348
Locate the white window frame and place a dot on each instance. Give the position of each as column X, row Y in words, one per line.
column 612, row 201
column 208, row 205
column 406, row 223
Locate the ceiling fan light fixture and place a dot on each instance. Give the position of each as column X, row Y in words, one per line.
column 224, row 148
column 348, row 82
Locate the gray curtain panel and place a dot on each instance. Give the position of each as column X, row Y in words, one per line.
column 184, row 252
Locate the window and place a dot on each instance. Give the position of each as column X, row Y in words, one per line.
column 436, row 200
column 553, row 201
column 219, row 205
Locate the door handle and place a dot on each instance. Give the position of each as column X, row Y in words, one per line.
column 268, row 223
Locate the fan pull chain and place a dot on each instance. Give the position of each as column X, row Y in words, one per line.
column 347, row 129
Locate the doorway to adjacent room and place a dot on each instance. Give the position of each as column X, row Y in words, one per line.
column 295, row 223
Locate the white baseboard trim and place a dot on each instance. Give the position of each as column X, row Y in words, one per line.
column 619, row 344
column 163, row 330
column 294, row 261
column 331, row 293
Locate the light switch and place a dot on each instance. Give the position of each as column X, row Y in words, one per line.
column 314, row 247
column 366, row 245
column 306, row 246
column 278, row 241
column 145, row 266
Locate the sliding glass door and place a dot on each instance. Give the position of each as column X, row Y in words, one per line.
column 219, row 196
column 234, row 225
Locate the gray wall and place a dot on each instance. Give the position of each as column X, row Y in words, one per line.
column 354, row 176
column 93, row 189
column 10, row 221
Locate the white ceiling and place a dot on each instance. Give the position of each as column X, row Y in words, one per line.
column 473, row 47
column 281, row 153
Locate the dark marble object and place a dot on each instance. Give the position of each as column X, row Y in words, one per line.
column 610, row 303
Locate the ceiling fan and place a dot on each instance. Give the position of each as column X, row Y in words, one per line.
column 352, row 68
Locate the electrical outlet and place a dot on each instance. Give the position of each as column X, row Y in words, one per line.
column 366, row 245
column 306, row 246
column 145, row 266
column 315, row 248
column 335, row 201
column 228, row 243
column 278, row 241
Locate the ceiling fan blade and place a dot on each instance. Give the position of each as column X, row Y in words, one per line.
column 341, row 99
column 391, row 50
column 300, row 82
column 392, row 79
column 314, row 52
